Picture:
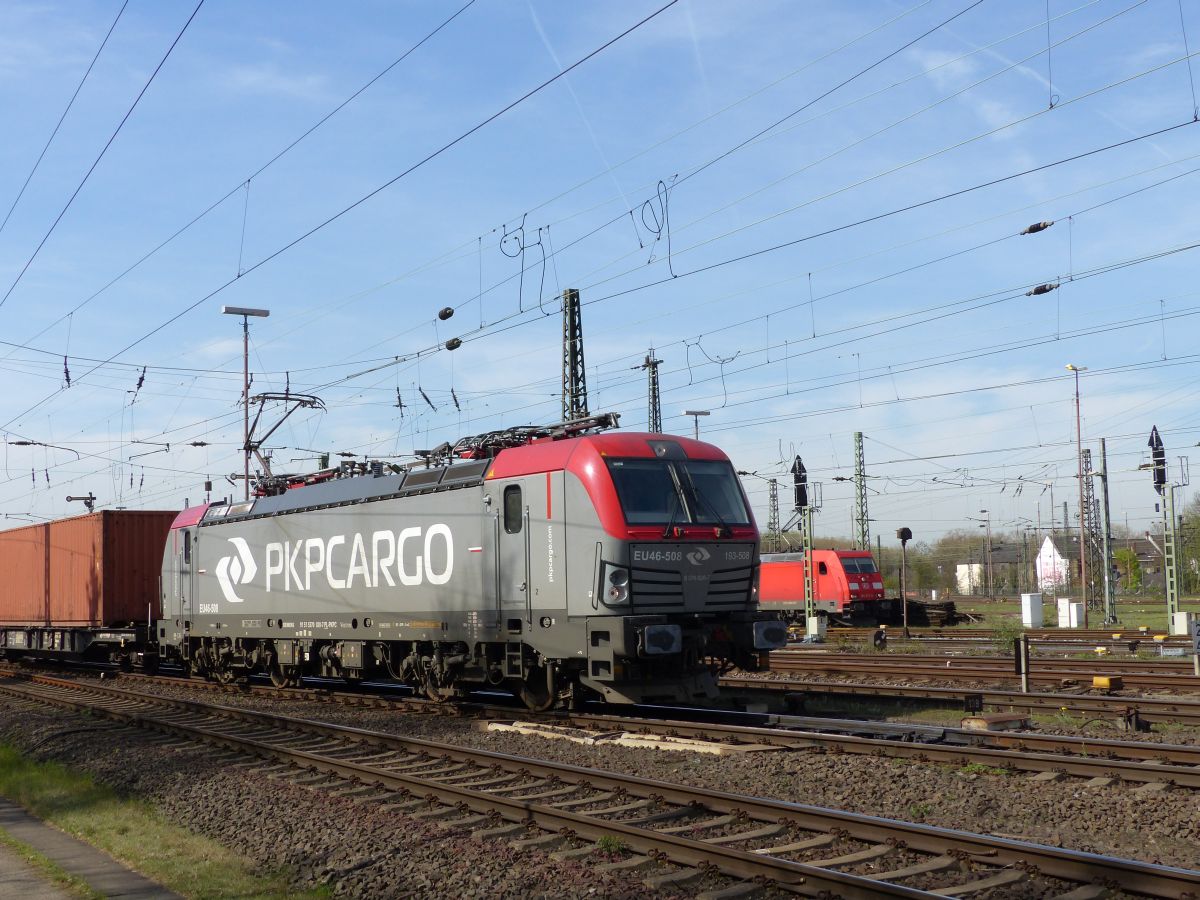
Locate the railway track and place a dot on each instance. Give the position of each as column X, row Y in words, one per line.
column 700, row 833
column 1145, row 709
column 1047, row 635
column 1136, row 762
column 1132, row 762
column 1157, row 674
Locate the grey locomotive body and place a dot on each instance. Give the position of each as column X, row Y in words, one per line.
column 615, row 565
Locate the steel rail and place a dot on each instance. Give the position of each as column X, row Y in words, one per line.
column 1131, row 761
column 999, row 662
column 1134, row 761
column 960, row 668
column 1035, row 634
column 795, row 876
column 1070, row 865
column 1149, row 709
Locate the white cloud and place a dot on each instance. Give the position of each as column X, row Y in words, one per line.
column 944, row 69
column 267, row 78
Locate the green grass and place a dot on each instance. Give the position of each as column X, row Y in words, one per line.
column 611, row 843
column 919, row 812
column 133, row 832
column 981, row 769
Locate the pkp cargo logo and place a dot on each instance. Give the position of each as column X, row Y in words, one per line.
column 698, row 556
column 234, row 570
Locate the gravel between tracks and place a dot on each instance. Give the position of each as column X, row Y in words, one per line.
column 359, row 850
column 1115, row 820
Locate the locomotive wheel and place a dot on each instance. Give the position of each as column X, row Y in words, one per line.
column 536, row 693
column 284, row 676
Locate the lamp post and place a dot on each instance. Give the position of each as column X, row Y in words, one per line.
column 991, row 584
column 245, row 312
column 696, row 414
column 1083, row 576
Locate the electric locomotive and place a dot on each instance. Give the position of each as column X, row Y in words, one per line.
column 559, row 563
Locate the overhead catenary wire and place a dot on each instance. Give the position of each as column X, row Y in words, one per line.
column 364, row 198
column 245, row 183
column 62, row 118
column 103, row 151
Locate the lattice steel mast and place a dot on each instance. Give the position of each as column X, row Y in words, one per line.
column 774, row 538
column 574, row 379
column 654, row 417
column 862, row 538
column 1110, row 589
column 1091, row 527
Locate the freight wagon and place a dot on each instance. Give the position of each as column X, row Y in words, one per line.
column 85, row 587
column 557, row 563
column 847, row 587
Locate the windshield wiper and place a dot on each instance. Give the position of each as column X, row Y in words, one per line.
column 675, row 507
column 723, row 529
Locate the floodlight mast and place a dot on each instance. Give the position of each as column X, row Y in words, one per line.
column 246, row 312
column 696, row 414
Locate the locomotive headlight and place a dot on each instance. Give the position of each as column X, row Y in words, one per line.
column 618, row 585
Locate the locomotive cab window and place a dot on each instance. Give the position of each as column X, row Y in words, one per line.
column 683, row 491
column 512, row 509
column 822, row 568
column 187, row 547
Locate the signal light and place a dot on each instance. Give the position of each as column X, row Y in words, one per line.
column 1159, row 456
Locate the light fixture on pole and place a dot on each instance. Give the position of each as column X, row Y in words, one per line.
column 991, row 585
column 696, row 414
column 1083, row 574
column 246, row 312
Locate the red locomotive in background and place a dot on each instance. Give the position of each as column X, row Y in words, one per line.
column 847, row 587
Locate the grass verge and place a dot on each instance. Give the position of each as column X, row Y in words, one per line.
column 135, row 833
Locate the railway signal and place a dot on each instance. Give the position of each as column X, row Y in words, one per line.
column 905, row 535
column 1158, row 455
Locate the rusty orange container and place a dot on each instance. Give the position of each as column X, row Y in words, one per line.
column 100, row 569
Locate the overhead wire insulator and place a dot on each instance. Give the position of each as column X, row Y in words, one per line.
column 1037, row 226
column 1042, row 289
column 454, row 397
column 445, row 312
column 425, row 397
column 66, row 372
column 453, row 343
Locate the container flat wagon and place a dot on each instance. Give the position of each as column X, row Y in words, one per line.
column 85, row 587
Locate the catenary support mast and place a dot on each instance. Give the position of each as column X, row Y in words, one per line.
column 574, row 378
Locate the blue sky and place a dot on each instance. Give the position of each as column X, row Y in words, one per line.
column 792, row 290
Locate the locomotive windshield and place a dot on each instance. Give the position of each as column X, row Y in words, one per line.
column 862, row 565
column 681, row 491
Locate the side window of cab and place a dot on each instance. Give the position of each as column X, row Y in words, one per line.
column 512, row 509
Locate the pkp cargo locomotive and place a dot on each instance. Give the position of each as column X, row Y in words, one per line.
column 559, row 563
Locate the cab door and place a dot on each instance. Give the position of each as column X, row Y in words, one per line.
column 183, row 555
column 546, row 538
column 513, row 556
